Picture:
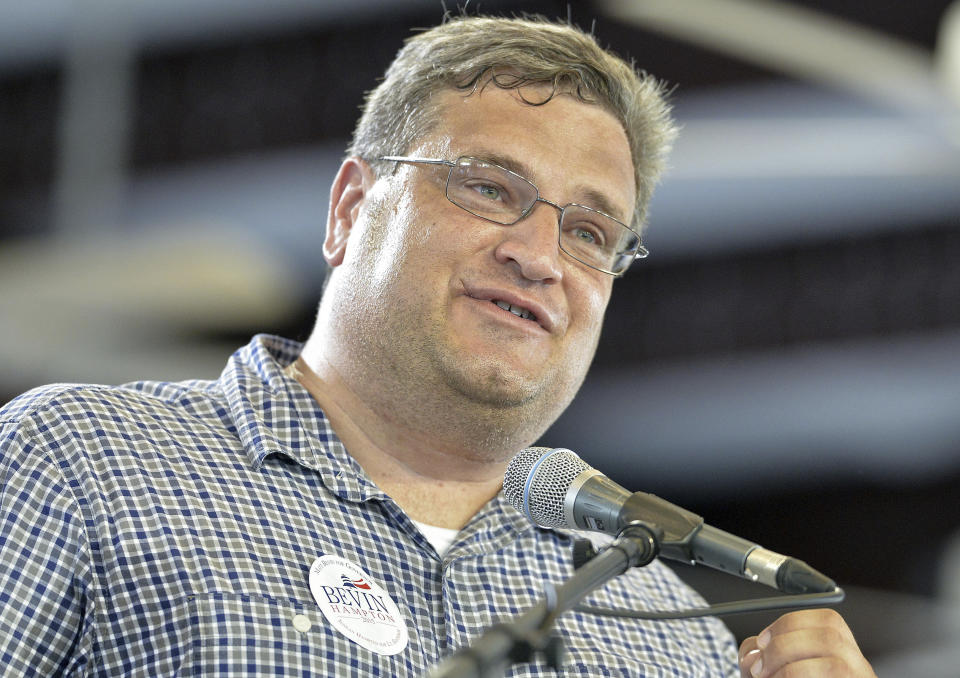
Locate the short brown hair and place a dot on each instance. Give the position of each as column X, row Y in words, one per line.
column 466, row 52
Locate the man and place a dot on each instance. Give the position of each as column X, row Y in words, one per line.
column 334, row 509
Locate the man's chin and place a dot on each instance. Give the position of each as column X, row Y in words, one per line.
column 495, row 385
column 504, row 409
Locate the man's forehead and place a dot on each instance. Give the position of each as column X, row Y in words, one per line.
column 520, row 140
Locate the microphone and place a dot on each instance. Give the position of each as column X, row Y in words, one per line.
column 556, row 488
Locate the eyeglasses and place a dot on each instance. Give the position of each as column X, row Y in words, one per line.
column 494, row 193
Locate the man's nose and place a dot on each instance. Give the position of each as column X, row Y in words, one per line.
column 532, row 244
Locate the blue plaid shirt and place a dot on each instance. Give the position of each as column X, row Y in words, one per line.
column 161, row 529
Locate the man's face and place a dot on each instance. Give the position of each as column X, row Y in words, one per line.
column 429, row 281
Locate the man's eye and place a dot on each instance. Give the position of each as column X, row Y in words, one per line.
column 588, row 234
column 487, row 191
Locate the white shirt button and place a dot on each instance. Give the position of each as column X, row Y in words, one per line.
column 302, row 623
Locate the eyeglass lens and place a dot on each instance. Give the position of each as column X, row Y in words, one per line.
column 494, row 193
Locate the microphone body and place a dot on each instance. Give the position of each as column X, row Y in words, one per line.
column 555, row 488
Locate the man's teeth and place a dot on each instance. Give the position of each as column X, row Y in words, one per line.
column 516, row 310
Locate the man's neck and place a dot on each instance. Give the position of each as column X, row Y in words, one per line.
column 436, row 484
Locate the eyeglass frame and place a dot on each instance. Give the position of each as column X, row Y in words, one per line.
column 641, row 253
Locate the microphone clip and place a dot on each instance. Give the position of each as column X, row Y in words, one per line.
column 640, row 541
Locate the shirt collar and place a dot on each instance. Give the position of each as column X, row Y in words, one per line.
column 274, row 414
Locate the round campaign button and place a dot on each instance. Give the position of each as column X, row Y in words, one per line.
column 356, row 605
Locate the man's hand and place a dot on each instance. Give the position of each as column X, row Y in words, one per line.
column 807, row 644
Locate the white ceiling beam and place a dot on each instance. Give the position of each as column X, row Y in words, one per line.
column 796, row 41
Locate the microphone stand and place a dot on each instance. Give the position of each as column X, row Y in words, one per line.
column 519, row 640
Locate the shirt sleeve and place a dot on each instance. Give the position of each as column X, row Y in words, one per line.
column 46, row 614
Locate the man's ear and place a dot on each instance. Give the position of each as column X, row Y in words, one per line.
column 347, row 194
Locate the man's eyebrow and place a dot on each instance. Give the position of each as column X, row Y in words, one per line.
column 600, row 202
column 509, row 163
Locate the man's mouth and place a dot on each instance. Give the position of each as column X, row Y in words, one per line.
column 525, row 307
column 518, row 311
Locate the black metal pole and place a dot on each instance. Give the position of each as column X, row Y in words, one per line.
column 519, row 640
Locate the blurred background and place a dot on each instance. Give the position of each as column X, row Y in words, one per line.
column 786, row 362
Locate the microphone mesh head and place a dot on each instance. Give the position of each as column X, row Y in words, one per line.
column 537, row 480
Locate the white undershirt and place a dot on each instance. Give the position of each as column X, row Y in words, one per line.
column 440, row 538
